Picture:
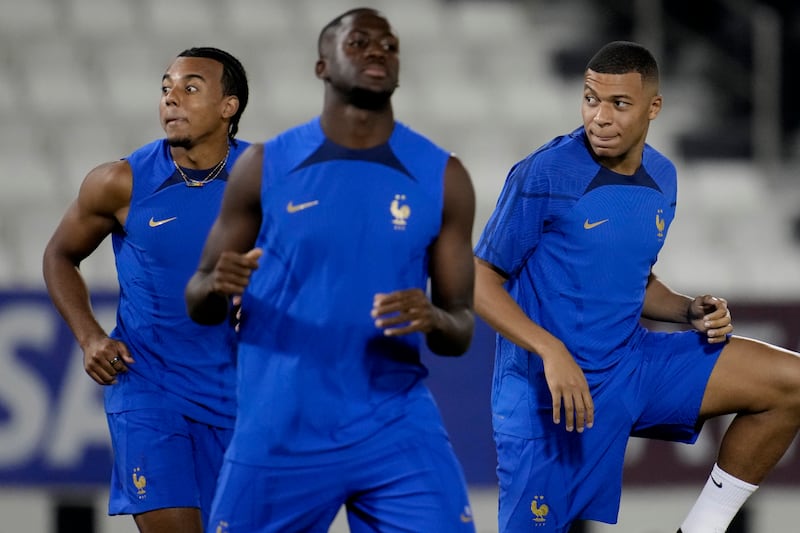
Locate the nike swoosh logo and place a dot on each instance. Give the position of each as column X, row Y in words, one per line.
column 715, row 482
column 156, row 223
column 590, row 225
column 292, row 208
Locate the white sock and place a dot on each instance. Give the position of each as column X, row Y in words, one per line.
column 718, row 503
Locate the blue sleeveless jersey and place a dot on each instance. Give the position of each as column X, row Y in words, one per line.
column 339, row 225
column 180, row 364
column 577, row 242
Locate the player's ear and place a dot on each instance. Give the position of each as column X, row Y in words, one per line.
column 655, row 106
column 320, row 67
column 230, row 106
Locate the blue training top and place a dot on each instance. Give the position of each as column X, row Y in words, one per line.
column 339, row 225
column 180, row 364
column 577, row 242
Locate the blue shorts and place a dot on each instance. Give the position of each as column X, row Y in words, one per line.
column 163, row 459
column 549, row 481
column 410, row 485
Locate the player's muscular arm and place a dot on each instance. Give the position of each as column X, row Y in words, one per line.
column 228, row 257
column 447, row 318
column 100, row 208
column 451, row 266
column 706, row 313
column 102, row 201
column 565, row 379
column 663, row 304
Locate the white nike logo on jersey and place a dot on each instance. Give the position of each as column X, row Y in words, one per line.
column 155, row 223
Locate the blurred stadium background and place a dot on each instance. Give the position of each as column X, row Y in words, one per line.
column 489, row 79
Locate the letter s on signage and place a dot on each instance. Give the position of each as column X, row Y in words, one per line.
column 23, row 395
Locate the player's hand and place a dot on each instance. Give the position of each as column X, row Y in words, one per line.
column 232, row 272
column 105, row 358
column 402, row 312
column 569, row 389
column 710, row 315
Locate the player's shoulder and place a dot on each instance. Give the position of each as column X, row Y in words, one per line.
column 559, row 156
column 305, row 133
column 239, row 146
column 110, row 172
column 562, row 148
column 657, row 163
column 108, row 183
column 284, row 151
column 151, row 158
column 414, row 147
column 404, row 133
column 113, row 173
column 652, row 154
column 157, row 147
column 247, row 151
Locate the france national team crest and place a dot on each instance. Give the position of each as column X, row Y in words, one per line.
column 140, row 482
column 540, row 510
column 222, row 527
column 400, row 212
column 661, row 224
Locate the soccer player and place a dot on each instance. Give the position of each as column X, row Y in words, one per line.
column 564, row 273
column 170, row 383
column 355, row 213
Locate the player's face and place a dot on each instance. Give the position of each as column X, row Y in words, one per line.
column 617, row 110
column 192, row 102
column 363, row 55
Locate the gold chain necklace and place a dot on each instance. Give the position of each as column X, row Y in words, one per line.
column 190, row 182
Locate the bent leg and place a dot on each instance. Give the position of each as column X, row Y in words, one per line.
column 760, row 383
